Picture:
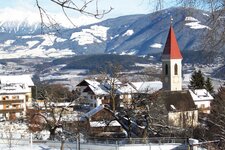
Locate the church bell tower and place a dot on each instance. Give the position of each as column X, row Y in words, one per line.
column 172, row 64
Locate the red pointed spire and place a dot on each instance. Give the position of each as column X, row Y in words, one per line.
column 171, row 49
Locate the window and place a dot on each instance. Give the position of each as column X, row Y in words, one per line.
column 15, row 97
column 166, row 69
column 175, row 69
column 202, row 106
column 27, row 98
column 5, row 97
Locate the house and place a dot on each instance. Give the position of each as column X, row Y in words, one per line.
column 97, row 93
column 103, row 123
column 15, row 95
column 202, row 99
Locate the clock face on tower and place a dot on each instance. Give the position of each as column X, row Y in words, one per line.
column 176, row 79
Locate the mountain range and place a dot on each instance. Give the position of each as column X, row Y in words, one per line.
column 143, row 34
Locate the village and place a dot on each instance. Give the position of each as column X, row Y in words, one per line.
column 107, row 112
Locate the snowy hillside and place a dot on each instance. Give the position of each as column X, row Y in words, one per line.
column 126, row 35
column 25, row 21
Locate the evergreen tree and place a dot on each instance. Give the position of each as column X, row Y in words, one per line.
column 208, row 86
column 216, row 122
column 197, row 80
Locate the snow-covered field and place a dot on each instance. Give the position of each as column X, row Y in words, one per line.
column 96, row 34
column 15, row 136
column 194, row 23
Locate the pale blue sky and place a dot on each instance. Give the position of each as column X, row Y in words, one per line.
column 121, row 7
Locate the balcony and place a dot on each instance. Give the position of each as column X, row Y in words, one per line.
column 8, row 110
column 10, row 101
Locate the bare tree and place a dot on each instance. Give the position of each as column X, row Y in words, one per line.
column 81, row 6
column 158, row 4
column 49, row 116
column 112, row 78
column 215, row 36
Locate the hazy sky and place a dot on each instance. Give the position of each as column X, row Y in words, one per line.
column 121, row 7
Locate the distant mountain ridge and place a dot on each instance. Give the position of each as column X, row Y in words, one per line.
column 125, row 35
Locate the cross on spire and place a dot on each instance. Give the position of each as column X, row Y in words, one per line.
column 171, row 20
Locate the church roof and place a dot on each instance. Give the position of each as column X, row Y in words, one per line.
column 181, row 100
column 171, row 49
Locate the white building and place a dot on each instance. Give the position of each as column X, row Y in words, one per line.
column 202, row 99
column 97, row 93
column 15, row 95
column 93, row 91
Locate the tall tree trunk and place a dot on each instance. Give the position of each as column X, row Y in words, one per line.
column 62, row 144
column 52, row 133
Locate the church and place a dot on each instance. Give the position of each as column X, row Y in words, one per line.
column 172, row 80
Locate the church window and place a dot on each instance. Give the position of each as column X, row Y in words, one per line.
column 166, row 69
column 176, row 69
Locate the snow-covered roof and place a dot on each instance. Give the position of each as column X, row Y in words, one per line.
column 20, row 79
column 122, row 88
column 127, row 88
column 113, row 123
column 104, row 87
column 14, row 88
column 201, row 95
column 94, row 111
column 62, row 104
column 147, row 87
column 97, row 87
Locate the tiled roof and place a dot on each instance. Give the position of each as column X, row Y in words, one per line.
column 181, row 100
column 171, row 49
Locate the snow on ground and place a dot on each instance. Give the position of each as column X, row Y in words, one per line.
column 88, row 36
column 206, row 14
column 194, row 23
column 66, row 75
column 48, row 39
column 129, row 52
column 128, row 33
column 32, row 43
column 190, row 19
column 150, row 65
column 8, row 42
column 25, row 37
column 156, row 45
column 60, row 40
column 32, row 53
column 24, row 52
column 39, row 51
column 117, row 35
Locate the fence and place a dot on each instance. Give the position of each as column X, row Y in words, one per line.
column 166, row 143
